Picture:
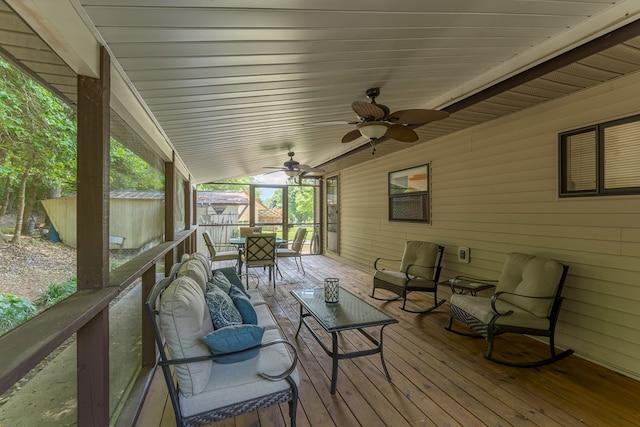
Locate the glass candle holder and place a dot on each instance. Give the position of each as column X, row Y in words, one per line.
column 331, row 290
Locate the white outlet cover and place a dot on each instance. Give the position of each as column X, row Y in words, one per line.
column 463, row 254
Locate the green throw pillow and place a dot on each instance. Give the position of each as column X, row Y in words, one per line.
column 234, row 338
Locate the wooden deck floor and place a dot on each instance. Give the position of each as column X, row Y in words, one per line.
column 438, row 378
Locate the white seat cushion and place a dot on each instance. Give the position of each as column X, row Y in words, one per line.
column 394, row 277
column 284, row 252
column 230, row 384
column 400, row 279
column 480, row 308
column 265, row 318
column 256, row 297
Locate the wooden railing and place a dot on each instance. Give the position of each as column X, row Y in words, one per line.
column 30, row 343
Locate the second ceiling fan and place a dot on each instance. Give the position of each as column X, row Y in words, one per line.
column 376, row 120
column 293, row 168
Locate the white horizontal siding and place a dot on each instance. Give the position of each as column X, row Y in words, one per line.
column 494, row 190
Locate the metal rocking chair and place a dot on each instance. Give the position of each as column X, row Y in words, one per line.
column 527, row 301
column 419, row 271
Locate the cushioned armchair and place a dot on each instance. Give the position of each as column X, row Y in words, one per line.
column 417, row 271
column 527, row 301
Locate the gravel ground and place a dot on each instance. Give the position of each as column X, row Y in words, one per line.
column 30, row 266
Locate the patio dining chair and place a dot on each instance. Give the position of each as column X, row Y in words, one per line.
column 417, row 271
column 215, row 255
column 248, row 231
column 260, row 251
column 296, row 248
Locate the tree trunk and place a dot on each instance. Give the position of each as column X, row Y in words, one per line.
column 20, row 204
column 6, row 196
column 30, row 202
column 55, row 191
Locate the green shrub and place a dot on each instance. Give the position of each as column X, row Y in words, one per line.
column 56, row 292
column 14, row 311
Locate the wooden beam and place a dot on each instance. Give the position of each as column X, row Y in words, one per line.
column 592, row 47
column 169, row 206
column 93, row 241
column 597, row 45
column 187, row 204
column 149, row 354
column 194, row 214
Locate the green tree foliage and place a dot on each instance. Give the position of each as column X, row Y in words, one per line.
column 38, row 149
column 130, row 172
column 301, row 201
column 275, row 201
column 56, row 292
column 14, row 311
column 37, row 139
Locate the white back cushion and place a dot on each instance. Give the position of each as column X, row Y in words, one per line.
column 532, row 276
column 194, row 270
column 184, row 319
column 422, row 254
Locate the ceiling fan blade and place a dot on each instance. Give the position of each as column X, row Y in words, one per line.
column 417, row 116
column 336, row 122
column 401, row 133
column 351, row 136
column 273, row 171
column 367, row 110
column 307, row 168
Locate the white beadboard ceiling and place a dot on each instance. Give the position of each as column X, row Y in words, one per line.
column 233, row 85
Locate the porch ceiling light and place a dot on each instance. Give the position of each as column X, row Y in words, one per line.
column 373, row 130
column 292, row 173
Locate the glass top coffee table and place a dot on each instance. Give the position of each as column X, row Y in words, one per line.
column 349, row 313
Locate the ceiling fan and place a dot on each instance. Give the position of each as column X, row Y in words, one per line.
column 376, row 121
column 294, row 169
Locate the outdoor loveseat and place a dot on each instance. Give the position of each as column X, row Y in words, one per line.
column 243, row 367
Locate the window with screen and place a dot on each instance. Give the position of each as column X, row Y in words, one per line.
column 601, row 160
column 409, row 194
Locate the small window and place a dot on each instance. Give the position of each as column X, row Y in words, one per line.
column 601, row 160
column 409, row 194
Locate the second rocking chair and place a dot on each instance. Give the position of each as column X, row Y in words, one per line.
column 419, row 271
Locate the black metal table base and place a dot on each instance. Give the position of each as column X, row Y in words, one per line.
column 334, row 353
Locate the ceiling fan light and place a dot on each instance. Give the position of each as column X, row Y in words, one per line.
column 373, row 130
column 291, row 173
